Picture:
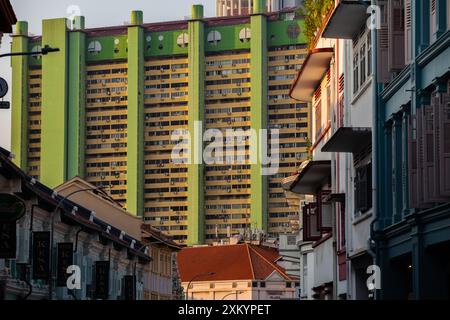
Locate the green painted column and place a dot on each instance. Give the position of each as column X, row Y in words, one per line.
column 258, row 42
column 55, row 71
column 19, row 64
column 135, row 142
column 196, row 214
column 77, row 97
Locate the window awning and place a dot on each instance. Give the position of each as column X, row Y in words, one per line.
column 349, row 140
column 314, row 175
column 347, row 19
column 313, row 69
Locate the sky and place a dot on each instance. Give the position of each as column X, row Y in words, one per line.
column 98, row 13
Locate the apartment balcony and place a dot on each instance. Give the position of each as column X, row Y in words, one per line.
column 347, row 19
column 311, row 74
column 348, row 140
column 313, row 175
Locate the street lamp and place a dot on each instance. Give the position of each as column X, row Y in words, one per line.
column 5, row 105
column 44, row 51
column 50, row 283
column 230, row 294
column 194, row 278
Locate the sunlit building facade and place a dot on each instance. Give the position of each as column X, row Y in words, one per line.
column 107, row 105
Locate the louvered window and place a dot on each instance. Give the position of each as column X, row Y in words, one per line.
column 396, row 29
column 383, row 46
column 433, row 19
column 408, row 32
column 363, row 189
column 412, row 161
column 318, row 119
column 429, row 153
column 448, row 14
column 443, row 143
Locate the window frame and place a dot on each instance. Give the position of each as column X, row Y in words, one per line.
column 362, row 62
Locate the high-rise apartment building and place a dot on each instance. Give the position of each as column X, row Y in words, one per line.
column 225, row 8
column 107, row 105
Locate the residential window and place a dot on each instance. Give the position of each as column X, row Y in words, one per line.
column 369, row 54
column 262, row 284
column 362, row 64
column 355, row 72
column 433, row 19
column 362, row 61
column 363, row 189
column 318, row 118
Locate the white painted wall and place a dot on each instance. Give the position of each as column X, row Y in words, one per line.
column 323, row 263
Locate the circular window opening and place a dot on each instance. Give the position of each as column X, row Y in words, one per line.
column 116, row 50
column 214, row 37
column 116, row 41
column 149, row 38
column 183, row 40
column 293, row 30
column 37, row 49
column 94, row 47
column 160, row 47
column 161, row 38
column 245, row 35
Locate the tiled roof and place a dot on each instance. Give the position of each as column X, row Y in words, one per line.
column 7, row 16
column 226, row 263
column 149, row 232
column 81, row 216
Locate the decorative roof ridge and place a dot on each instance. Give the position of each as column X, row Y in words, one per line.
column 250, row 260
column 272, row 264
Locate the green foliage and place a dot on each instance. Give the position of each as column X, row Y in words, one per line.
column 314, row 12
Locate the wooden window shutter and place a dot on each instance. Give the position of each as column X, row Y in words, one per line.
column 433, row 19
column 396, row 59
column 420, row 157
column 408, row 32
column 412, row 161
column 443, row 144
column 383, row 45
column 430, row 159
column 448, row 14
column 428, row 152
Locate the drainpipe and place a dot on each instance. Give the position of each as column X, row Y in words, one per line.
column 334, row 179
column 348, row 214
column 372, row 243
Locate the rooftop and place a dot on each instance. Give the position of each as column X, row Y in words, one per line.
column 229, row 262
